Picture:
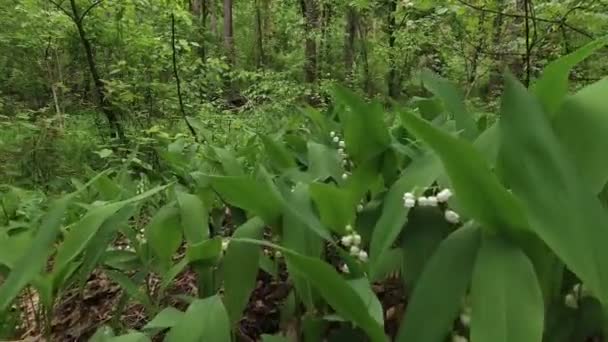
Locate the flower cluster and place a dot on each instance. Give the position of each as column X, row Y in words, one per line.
column 408, row 3
column 225, row 243
column 443, row 196
column 342, row 153
column 141, row 185
column 572, row 298
column 458, row 338
column 141, row 238
column 465, row 321
column 353, row 240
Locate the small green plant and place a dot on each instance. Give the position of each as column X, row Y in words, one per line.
column 497, row 233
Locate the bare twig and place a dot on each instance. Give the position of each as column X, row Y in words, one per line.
column 528, row 48
column 560, row 22
column 93, row 5
column 60, row 7
column 177, row 81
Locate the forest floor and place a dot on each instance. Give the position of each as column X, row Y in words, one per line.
column 77, row 315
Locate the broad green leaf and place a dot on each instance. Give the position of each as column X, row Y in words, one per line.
column 164, row 234
column 131, row 288
column 316, row 117
column 102, row 334
column 390, row 263
column 297, row 236
column 230, row 164
column 506, row 300
column 368, row 296
column 561, row 209
column 278, row 154
column 552, row 86
column 333, row 288
column 579, row 122
column 205, row 320
column 323, row 162
column 194, row 217
column 35, row 258
column 418, row 175
column 477, row 188
column 173, row 272
column 453, row 101
column 207, row 251
column 12, row 248
column 424, row 231
column 337, row 293
column 240, row 268
column 167, row 318
column 302, row 212
column 104, row 153
column 250, row 194
column 131, row 337
column 438, row 295
column 336, row 206
column 99, row 244
column 82, row 232
column 365, row 131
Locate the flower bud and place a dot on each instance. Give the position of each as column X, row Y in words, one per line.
column 451, row 216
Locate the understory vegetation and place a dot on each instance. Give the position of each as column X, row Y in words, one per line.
column 304, row 170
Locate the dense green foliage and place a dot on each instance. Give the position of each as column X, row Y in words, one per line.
column 319, row 149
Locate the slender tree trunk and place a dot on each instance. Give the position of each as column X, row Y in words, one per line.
column 496, row 70
column 199, row 12
column 367, row 80
column 392, row 77
column 310, row 12
column 259, row 32
column 349, row 43
column 213, row 17
column 327, row 14
column 104, row 103
column 472, row 73
column 228, row 32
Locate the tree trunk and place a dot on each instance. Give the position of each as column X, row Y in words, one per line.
column 349, row 43
column 327, row 14
column 494, row 82
column 228, row 33
column 367, row 79
column 259, row 32
column 104, row 103
column 392, row 77
column 199, row 12
column 310, row 13
column 213, row 17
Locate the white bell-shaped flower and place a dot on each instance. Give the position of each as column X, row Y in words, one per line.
column 347, row 240
column 362, row 256
column 444, row 195
column 409, row 202
column 451, row 216
column 570, row 301
column 356, row 239
column 423, row 201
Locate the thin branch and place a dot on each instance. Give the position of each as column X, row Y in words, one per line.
column 561, row 22
column 58, row 5
column 527, row 5
column 93, row 5
column 177, row 81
